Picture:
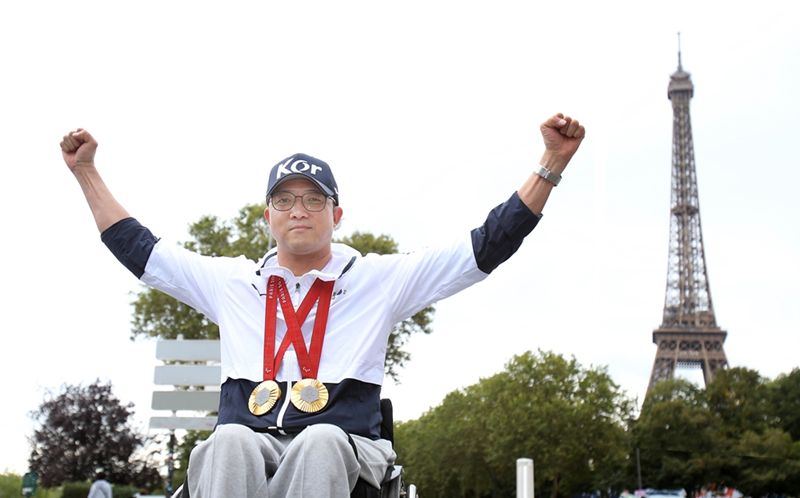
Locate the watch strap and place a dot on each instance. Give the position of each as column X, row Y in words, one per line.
column 548, row 175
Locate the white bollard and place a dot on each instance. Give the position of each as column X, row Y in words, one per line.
column 524, row 478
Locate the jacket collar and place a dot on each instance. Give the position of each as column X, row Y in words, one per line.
column 343, row 258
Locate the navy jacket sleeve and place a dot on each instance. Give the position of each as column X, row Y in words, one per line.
column 502, row 233
column 131, row 243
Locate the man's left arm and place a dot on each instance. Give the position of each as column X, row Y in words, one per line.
column 509, row 223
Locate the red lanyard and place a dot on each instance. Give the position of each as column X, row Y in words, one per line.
column 308, row 359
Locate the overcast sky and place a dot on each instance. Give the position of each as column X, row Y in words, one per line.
column 428, row 112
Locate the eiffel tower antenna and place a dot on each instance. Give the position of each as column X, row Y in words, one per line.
column 688, row 335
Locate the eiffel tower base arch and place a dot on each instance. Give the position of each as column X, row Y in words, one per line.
column 678, row 348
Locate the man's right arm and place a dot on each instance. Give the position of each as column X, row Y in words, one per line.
column 128, row 240
column 180, row 273
column 78, row 149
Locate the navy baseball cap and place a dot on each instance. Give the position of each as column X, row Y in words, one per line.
column 304, row 166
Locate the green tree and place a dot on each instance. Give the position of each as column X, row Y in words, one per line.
column 740, row 398
column 784, row 394
column 11, row 485
column 678, row 438
column 726, row 434
column 444, row 451
column 157, row 315
column 762, row 458
column 77, row 489
column 766, row 464
column 571, row 420
column 84, row 428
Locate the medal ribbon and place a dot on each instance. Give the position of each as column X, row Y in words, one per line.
column 308, row 359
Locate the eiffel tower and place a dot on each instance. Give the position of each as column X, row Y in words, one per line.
column 689, row 336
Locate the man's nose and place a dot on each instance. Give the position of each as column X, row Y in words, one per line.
column 298, row 209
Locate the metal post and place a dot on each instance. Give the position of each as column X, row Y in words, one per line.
column 638, row 468
column 170, row 464
column 524, row 478
column 638, row 464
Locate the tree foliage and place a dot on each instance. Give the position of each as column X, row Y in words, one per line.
column 81, row 490
column 739, row 432
column 85, row 428
column 676, row 434
column 736, row 432
column 11, row 485
column 157, row 315
column 785, row 396
column 571, row 420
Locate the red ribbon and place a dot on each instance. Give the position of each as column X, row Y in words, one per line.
column 308, row 359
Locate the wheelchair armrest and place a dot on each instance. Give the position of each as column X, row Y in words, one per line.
column 393, row 473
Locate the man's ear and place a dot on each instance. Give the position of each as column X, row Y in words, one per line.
column 266, row 215
column 337, row 215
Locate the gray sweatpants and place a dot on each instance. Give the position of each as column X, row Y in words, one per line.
column 319, row 462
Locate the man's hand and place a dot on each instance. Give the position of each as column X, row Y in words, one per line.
column 78, row 149
column 562, row 135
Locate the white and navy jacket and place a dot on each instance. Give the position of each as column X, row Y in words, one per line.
column 370, row 295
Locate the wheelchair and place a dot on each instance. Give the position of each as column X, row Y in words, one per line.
column 393, row 485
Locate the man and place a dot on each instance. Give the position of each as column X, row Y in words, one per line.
column 304, row 330
column 100, row 487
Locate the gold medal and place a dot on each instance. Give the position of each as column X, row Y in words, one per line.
column 264, row 397
column 309, row 395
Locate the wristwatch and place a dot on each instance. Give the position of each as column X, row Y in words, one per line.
column 548, row 175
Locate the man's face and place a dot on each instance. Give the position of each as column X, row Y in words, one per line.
column 299, row 232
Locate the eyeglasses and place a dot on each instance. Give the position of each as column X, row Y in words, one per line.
column 312, row 201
